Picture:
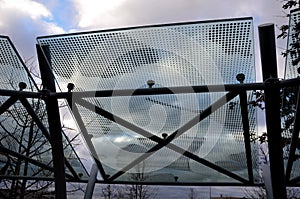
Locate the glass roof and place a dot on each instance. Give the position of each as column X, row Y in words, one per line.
column 25, row 147
column 131, row 136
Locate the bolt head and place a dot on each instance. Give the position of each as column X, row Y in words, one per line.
column 70, row 86
column 22, row 85
column 150, row 83
column 240, row 77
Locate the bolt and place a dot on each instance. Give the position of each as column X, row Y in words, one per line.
column 150, row 83
column 22, row 86
column 70, row 87
column 240, row 77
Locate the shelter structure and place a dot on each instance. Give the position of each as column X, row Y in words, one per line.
column 166, row 104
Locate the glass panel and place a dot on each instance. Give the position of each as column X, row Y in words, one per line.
column 187, row 54
column 290, row 68
column 18, row 131
column 171, row 55
column 73, row 159
column 290, row 97
column 182, row 170
column 12, row 69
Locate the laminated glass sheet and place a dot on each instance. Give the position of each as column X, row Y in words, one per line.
column 21, row 139
column 291, row 71
column 172, row 55
column 12, row 70
column 291, row 66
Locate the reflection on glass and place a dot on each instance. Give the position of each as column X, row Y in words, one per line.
column 188, row 54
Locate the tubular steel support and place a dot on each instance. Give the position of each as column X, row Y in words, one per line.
column 54, row 126
column 294, row 140
column 272, row 108
column 91, row 183
column 245, row 120
column 8, row 103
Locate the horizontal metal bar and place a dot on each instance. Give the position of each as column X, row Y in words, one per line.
column 230, row 184
column 16, row 93
column 150, row 91
column 176, row 90
column 161, row 91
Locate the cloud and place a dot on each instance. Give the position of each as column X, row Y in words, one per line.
column 23, row 20
column 106, row 14
column 116, row 13
column 91, row 12
column 31, row 8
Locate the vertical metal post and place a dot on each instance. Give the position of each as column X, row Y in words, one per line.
column 268, row 51
column 272, row 108
column 54, row 125
column 91, row 183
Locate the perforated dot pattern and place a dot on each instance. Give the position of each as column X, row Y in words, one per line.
column 290, row 69
column 16, row 123
column 187, row 54
column 12, row 68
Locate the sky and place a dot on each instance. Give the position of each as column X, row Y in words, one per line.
column 24, row 20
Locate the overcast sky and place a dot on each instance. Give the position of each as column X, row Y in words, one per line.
column 24, row 20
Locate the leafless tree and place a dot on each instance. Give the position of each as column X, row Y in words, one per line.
column 192, row 194
column 20, row 134
column 260, row 192
column 137, row 190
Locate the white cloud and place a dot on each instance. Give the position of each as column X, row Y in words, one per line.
column 23, row 21
column 31, row 8
column 105, row 14
column 93, row 14
column 90, row 12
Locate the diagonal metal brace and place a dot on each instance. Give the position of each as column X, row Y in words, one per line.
column 162, row 142
column 8, row 103
column 45, row 132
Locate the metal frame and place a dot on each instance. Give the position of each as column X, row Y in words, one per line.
column 272, row 104
column 241, row 91
column 271, row 86
column 234, row 90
